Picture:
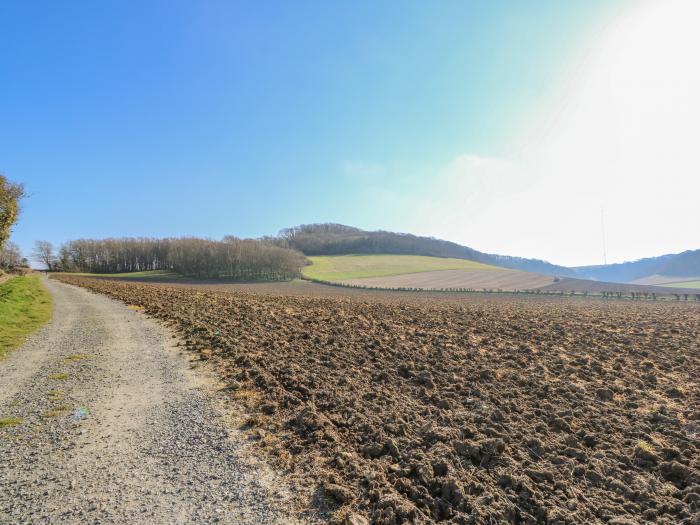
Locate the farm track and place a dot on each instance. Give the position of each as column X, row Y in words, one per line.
column 511, row 410
column 112, row 426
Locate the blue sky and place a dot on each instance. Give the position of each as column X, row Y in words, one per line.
column 168, row 118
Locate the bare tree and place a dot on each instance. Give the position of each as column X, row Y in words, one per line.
column 10, row 195
column 10, row 256
column 232, row 258
column 43, row 254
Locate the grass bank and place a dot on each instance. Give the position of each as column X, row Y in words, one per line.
column 25, row 305
column 342, row 267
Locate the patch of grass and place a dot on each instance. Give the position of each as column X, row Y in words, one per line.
column 58, row 377
column 151, row 274
column 55, row 395
column 645, row 446
column 56, row 412
column 10, row 422
column 683, row 284
column 78, row 357
column 342, row 267
column 25, row 305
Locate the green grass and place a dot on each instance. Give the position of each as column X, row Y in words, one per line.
column 10, row 422
column 56, row 412
column 683, row 284
column 151, row 274
column 25, row 305
column 343, row 267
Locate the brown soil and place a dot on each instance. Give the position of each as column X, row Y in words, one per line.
column 475, row 279
column 309, row 288
column 511, row 410
column 585, row 285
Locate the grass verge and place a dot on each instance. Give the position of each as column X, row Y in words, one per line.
column 25, row 305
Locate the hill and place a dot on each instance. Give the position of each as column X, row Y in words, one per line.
column 685, row 265
column 338, row 239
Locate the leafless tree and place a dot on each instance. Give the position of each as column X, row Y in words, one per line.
column 10, row 256
column 43, row 254
column 232, row 258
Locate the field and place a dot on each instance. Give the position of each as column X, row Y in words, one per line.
column 471, row 410
column 24, row 307
column 683, row 284
column 151, row 274
column 435, row 273
column 584, row 285
column 404, row 272
column 477, row 279
column 344, row 267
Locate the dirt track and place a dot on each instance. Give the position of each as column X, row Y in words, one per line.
column 116, row 428
column 510, row 410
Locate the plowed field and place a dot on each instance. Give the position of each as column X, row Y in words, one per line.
column 503, row 411
column 445, row 279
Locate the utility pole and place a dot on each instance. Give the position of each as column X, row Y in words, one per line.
column 602, row 230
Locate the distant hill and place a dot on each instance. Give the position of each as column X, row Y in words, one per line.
column 685, row 264
column 338, row 239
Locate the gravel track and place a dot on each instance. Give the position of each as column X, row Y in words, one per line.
column 117, row 428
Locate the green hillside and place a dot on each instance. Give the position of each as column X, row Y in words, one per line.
column 341, row 267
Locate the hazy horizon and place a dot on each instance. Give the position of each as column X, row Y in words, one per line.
column 502, row 126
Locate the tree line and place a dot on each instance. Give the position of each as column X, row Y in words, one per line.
column 231, row 258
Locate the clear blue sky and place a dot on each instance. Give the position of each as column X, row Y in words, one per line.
column 168, row 118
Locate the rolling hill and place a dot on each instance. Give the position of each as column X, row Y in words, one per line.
column 338, row 239
column 332, row 239
column 683, row 266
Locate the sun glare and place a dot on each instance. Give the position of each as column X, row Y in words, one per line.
column 624, row 133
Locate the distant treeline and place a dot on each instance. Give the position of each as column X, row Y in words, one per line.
column 232, row 258
column 338, row 239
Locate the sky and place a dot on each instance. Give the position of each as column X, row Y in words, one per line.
column 564, row 131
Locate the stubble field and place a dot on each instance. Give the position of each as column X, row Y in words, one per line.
column 502, row 410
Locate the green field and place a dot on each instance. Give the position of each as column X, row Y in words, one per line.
column 342, row 267
column 151, row 274
column 25, row 305
column 684, row 284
